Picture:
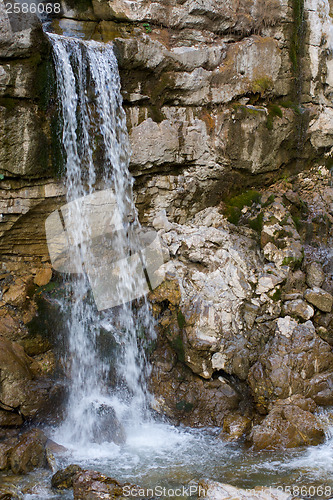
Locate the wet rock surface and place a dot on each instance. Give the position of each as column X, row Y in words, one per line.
column 94, row 485
column 63, row 479
column 23, row 453
column 87, row 484
column 213, row 490
column 288, row 425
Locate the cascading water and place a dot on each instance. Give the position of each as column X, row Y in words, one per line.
column 94, row 132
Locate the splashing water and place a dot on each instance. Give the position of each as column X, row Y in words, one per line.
column 96, row 150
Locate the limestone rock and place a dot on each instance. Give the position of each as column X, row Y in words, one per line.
column 10, row 419
column 287, row 426
column 43, row 277
column 294, row 361
column 16, row 295
column 212, row 490
column 63, row 478
column 207, row 15
column 25, row 141
column 325, row 334
column 6, row 447
column 298, row 308
column 235, row 426
column 212, row 298
column 19, row 388
column 315, row 275
column 29, row 453
column 319, row 298
column 159, row 143
column 185, row 397
column 93, row 485
column 21, row 34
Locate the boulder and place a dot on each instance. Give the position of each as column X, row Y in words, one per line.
column 298, row 308
column 212, row 490
column 108, row 427
column 187, row 398
column 294, row 361
column 235, row 426
column 6, row 447
column 319, row 298
column 10, row 419
column 16, row 295
column 92, row 485
column 21, row 391
column 315, row 275
column 43, row 277
column 29, row 453
column 63, row 478
column 287, row 426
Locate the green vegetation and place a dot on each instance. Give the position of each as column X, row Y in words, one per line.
column 296, row 45
column 261, row 85
column 257, row 223
column 277, row 295
column 273, row 111
column 293, row 261
column 177, row 344
column 297, row 222
column 297, row 108
column 235, row 204
column 2, row 176
column 247, row 109
column 147, row 27
column 181, row 319
column 184, row 406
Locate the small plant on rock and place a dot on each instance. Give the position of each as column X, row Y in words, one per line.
column 147, row 27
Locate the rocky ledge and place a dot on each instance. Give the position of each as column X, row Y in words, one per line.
column 245, row 315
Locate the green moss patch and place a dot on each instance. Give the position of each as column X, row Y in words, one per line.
column 235, row 204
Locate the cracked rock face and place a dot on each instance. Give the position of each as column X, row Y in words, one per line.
column 295, row 361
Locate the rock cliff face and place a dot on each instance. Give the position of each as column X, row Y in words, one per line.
column 220, row 97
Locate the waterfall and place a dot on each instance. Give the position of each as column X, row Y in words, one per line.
column 100, row 220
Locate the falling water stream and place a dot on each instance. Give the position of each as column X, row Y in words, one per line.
column 94, row 125
column 139, row 448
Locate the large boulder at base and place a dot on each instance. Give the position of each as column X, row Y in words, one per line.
column 212, row 490
column 29, row 453
column 235, row 426
column 20, row 391
column 287, row 426
column 295, row 361
column 23, row 453
column 92, row 485
column 107, row 426
column 186, row 397
column 63, row 478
